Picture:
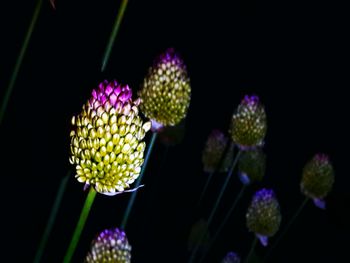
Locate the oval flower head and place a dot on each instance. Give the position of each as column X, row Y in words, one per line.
column 248, row 126
column 166, row 91
column 107, row 146
column 213, row 150
column 111, row 245
column 231, row 257
column 318, row 178
column 251, row 166
column 264, row 216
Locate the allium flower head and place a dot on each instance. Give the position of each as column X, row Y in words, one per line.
column 111, row 245
column 213, row 150
column 318, row 178
column 166, row 91
column 231, row 257
column 198, row 230
column 107, row 145
column 248, row 126
column 264, row 216
column 251, row 166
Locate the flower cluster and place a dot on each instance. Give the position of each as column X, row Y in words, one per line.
column 111, row 245
column 213, row 151
column 264, row 216
column 248, row 126
column 107, row 146
column 251, row 166
column 318, row 178
column 166, row 91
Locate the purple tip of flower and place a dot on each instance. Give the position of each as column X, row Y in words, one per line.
column 113, row 92
column 86, row 186
column 264, row 240
column 170, row 55
column 320, row 203
column 243, row 177
column 264, row 194
column 251, row 100
column 108, row 234
column 321, row 157
column 156, row 126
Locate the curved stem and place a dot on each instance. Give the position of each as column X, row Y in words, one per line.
column 223, row 223
column 19, row 60
column 291, row 221
column 205, row 188
column 211, row 216
column 52, row 218
column 81, row 223
column 251, row 250
column 138, row 181
column 114, row 33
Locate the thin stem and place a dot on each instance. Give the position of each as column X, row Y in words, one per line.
column 113, row 35
column 138, row 181
column 251, row 249
column 291, row 221
column 19, row 60
column 52, row 218
column 205, row 188
column 79, row 228
column 211, row 216
column 223, row 223
column 223, row 188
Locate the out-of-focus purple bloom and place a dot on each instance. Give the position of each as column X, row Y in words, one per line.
column 248, row 126
column 317, row 179
column 264, row 216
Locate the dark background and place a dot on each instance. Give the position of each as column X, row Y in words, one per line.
column 293, row 54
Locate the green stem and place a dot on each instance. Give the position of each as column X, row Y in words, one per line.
column 211, row 216
column 52, row 218
column 138, row 181
column 79, row 228
column 205, row 188
column 251, row 249
column 113, row 35
column 223, row 223
column 19, row 60
column 296, row 214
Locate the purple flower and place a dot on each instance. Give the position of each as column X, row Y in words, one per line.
column 107, row 146
column 248, row 126
column 111, row 245
column 264, row 216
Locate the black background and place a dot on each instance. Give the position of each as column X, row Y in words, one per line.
column 293, row 54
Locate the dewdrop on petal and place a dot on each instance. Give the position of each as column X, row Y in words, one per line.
column 251, row 166
column 264, row 216
column 231, row 257
column 318, row 178
column 166, row 91
column 248, row 126
column 213, row 151
column 107, row 146
column 111, row 245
